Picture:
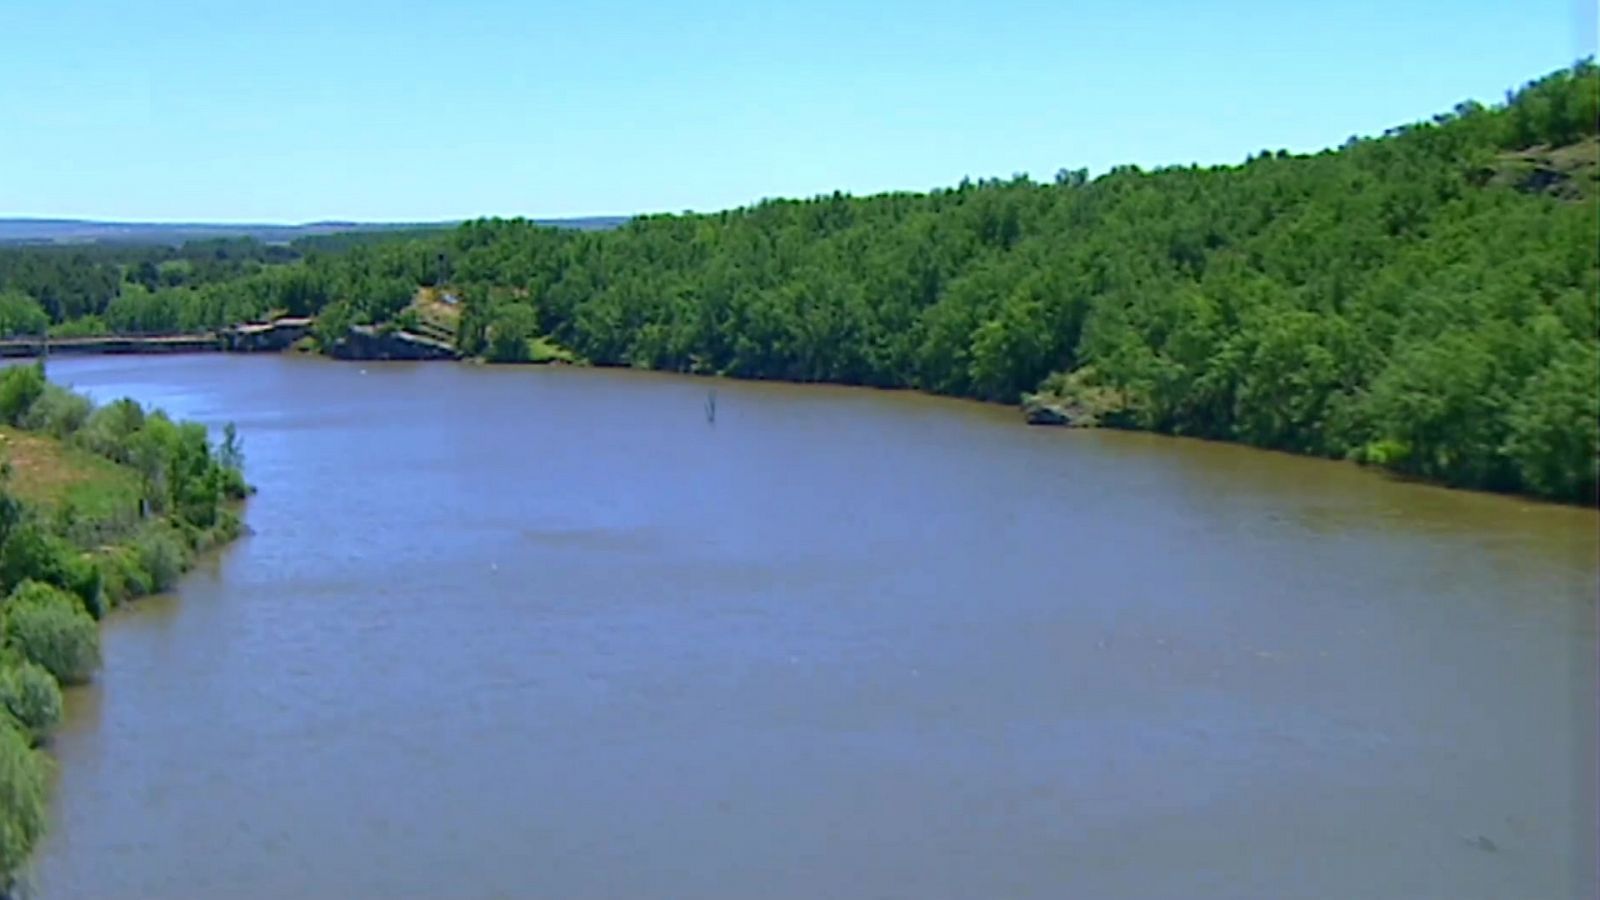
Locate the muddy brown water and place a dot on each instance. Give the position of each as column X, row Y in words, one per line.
column 550, row 633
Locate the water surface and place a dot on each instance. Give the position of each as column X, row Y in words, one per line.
column 550, row 633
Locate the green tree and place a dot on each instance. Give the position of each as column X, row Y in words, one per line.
column 334, row 323
column 1554, row 437
column 513, row 326
column 1441, row 402
column 21, row 315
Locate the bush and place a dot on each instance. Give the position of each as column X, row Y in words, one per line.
column 58, row 412
column 1386, row 452
column 19, row 387
column 23, row 773
column 109, row 429
column 84, row 581
column 47, row 626
column 162, row 557
column 32, row 697
column 121, row 576
column 544, row 350
column 30, row 552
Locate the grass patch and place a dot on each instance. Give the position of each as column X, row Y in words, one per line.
column 544, row 350
column 53, row 475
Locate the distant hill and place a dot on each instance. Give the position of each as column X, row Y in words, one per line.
column 83, row 231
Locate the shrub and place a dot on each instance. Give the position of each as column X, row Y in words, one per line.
column 109, row 429
column 84, row 581
column 19, row 387
column 32, row 697
column 1382, row 452
column 30, row 552
column 23, row 773
column 162, row 557
column 48, row 626
column 121, row 576
column 58, row 412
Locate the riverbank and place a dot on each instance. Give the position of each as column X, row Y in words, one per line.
column 98, row 506
column 1071, row 402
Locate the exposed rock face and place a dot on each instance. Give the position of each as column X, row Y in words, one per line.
column 1569, row 173
column 366, row 342
column 1046, row 414
column 269, row 337
column 1044, row 410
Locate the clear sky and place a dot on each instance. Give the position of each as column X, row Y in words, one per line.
column 299, row 110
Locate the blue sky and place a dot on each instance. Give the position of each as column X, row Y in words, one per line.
column 296, row 110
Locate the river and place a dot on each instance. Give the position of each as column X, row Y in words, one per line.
column 507, row 632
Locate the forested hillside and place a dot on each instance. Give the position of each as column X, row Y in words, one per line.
column 1424, row 300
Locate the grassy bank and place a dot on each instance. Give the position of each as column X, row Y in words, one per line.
column 98, row 505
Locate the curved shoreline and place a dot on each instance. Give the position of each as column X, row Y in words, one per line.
column 368, row 344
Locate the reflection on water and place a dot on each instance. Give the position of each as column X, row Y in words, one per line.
column 512, row 633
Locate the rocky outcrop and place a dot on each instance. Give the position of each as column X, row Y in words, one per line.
column 1043, row 413
column 1077, row 399
column 367, row 342
column 1040, row 409
column 1571, row 172
column 266, row 337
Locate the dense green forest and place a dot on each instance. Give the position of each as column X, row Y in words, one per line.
column 1424, row 300
column 97, row 505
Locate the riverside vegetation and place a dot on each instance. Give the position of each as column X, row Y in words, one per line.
column 1422, row 301
column 97, row 505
